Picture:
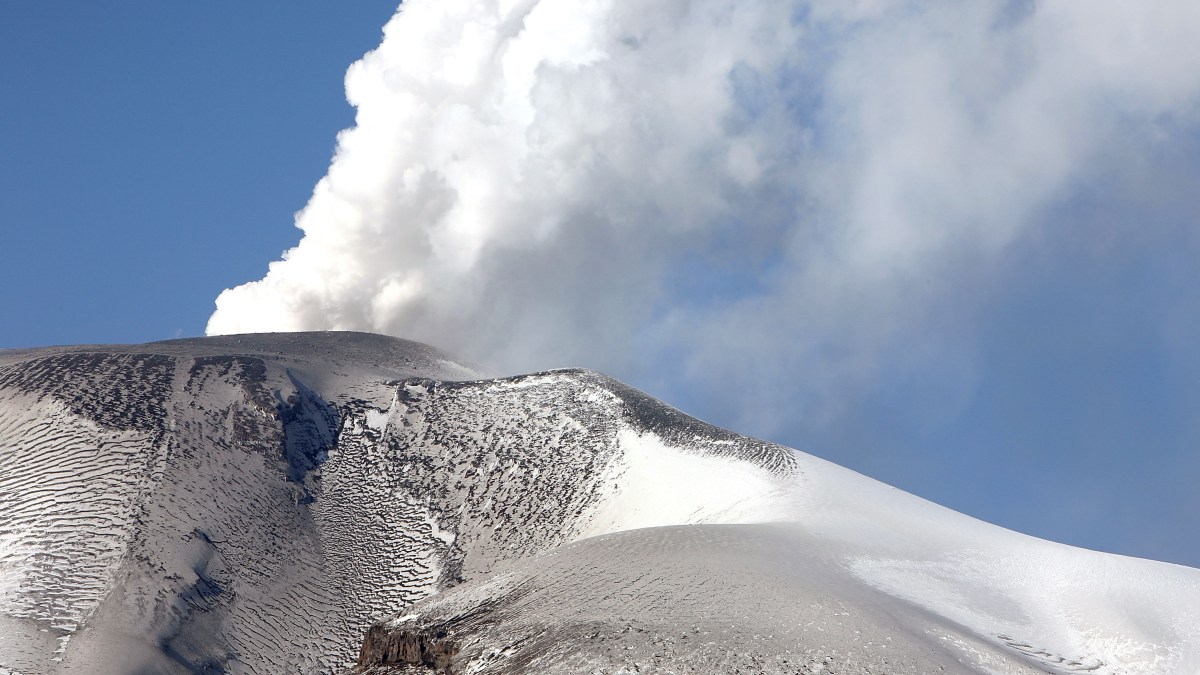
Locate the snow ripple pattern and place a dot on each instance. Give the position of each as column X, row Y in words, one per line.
column 194, row 505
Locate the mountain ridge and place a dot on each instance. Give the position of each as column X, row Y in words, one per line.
column 261, row 503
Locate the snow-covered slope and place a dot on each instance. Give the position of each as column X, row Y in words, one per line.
column 883, row 587
column 254, row 503
column 159, row 512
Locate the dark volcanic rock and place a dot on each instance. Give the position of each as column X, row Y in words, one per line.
column 427, row 648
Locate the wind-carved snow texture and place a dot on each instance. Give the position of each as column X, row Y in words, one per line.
column 158, row 504
column 245, row 498
column 255, row 504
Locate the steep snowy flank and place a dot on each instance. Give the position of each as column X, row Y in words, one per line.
column 809, row 569
column 254, row 504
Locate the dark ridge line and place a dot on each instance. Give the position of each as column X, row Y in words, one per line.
column 643, row 411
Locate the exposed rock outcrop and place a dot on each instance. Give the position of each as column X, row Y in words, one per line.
column 430, row 649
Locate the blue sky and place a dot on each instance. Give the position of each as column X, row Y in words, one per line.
column 960, row 260
column 153, row 154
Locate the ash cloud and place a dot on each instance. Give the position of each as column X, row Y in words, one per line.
column 817, row 197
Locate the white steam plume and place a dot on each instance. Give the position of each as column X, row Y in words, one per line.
column 797, row 192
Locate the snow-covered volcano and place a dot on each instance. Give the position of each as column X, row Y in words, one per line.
column 260, row 503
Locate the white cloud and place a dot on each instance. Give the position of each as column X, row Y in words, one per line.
column 801, row 194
